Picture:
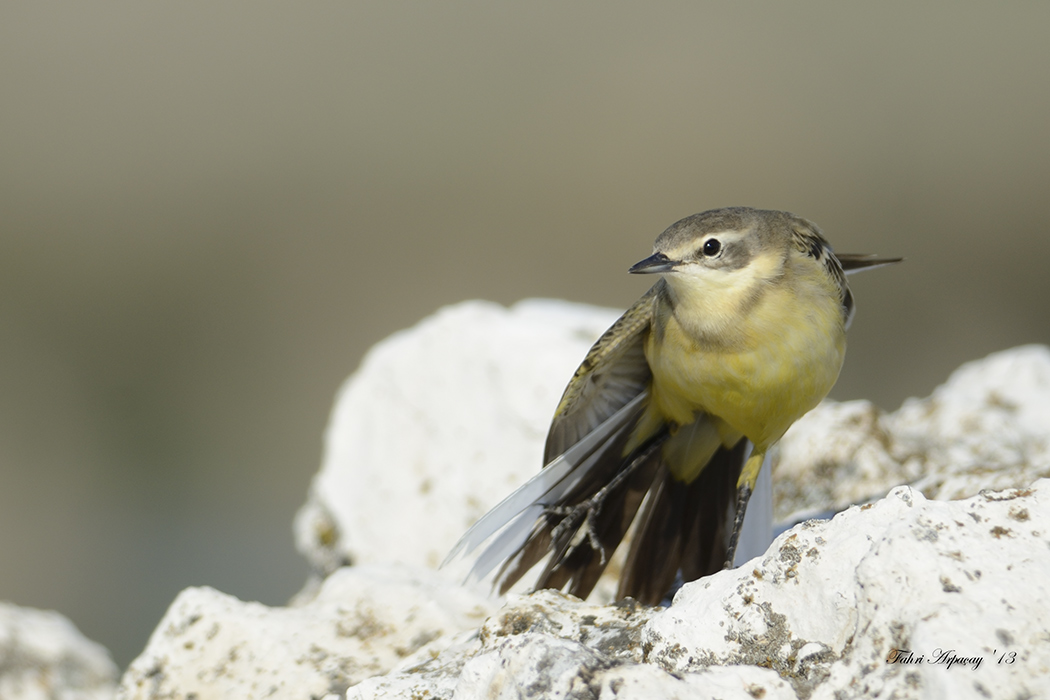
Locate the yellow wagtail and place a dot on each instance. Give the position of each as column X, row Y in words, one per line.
column 744, row 333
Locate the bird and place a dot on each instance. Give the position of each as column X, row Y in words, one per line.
column 666, row 423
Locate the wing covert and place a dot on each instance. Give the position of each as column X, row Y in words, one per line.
column 613, row 372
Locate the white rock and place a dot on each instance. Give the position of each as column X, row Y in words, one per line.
column 646, row 682
column 438, row 425
column 833, row 600
column 530, row 665
column 551, row 645
column 817, row 617
column 362, row 622
column 986, row 427
column 44, row 656
column 835, row 455
column 548, row 642
column 444, row 420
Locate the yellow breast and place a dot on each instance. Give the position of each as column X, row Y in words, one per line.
column 756, row 373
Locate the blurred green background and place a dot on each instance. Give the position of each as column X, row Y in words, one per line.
column 211, row 210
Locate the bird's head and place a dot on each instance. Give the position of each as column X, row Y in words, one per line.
column 731, row 251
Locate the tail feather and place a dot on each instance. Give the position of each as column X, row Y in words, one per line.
column 577, row 510
column 652, row 563
column 855, row 262
column 549, row 485
column 536, row 545
column 710, row 513
column 594, row 542
column 582, row 529
column 509, row 540
column 683, row 528
column 525, row 539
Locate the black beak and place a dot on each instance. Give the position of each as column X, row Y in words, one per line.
column 657, row 262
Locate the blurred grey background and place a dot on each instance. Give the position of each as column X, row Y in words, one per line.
column 210, row 211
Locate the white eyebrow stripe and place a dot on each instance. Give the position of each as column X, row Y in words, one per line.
column 729, row 235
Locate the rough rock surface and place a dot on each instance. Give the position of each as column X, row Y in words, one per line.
column 548, row 645
column 361, row 622
column 903, row 598
column 43, row 657
column 988, row 426
column 951, row 592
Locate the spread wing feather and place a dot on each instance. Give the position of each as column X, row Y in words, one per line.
column 547, row 487
column 597, row 410
column 613, row 373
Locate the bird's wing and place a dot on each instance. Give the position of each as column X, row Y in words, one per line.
column 602, row 401
column 855, row 262
column 514, row 517
column 613, row 373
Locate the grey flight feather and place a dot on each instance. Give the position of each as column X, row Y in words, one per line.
column 546, row 486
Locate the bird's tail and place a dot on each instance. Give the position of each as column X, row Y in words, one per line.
column 579, row 508
column 684, row 528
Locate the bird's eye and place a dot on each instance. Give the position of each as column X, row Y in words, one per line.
column 712, row 246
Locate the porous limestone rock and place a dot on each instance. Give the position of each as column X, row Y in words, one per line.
column 549, row 645
column 905, row 598
column 360, row 623
column 988, row 426
column 44, row 657
column 897, row 598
